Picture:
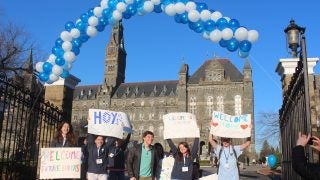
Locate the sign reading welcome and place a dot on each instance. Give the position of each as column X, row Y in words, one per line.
column 59, row 163
column 225, row 125
column 108, row 123
column 180, row 125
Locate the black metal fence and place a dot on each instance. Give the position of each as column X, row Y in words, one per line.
column 27, row 123
column 293, row 118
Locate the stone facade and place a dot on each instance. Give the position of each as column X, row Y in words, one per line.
column 216, row 85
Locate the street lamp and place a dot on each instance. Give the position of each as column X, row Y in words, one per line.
column 296, row 38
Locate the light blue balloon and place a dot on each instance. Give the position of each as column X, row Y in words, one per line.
column 272, row 160
column 64, row 74
column 243, row 54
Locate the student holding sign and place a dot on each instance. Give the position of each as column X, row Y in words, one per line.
column 227, row 155
column 97, row 156
column 64, row 136
column 184, row 157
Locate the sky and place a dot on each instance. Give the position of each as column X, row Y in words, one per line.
column 156, row 45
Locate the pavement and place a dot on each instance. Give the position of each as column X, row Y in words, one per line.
column 248, row 172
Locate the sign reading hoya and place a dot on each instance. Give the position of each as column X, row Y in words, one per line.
column 108, row 123
column 224, row 125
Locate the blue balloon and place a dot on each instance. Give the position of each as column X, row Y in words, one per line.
column 43, row 76
column 47, row 67
column 232, row 45
column 58, row 51
column 157, row 8
column 245, row 46
column 84, row 17
column 243, row 54
column 112, row 4
column 209, row 25
column 272, row 160
column 69, row 25
column 59, row 42
column 201, row 6
column 184, row 18
column 223, row 43
column 234, row 24
column 76, row 43
column 90, row 12
column 64, row 74
column 177, row 18
column 83, row 37
column 106, row 13
column 198, row 27
column 131, row 9
column 102, row 21
column 138, row 3
column 60, row 61
column 222, row 23
column 81, row 25
column 75, row 50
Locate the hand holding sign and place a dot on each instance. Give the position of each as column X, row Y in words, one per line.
column 108, row 123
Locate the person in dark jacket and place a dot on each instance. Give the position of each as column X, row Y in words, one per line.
column 183, row 164
column 97, row 156
column 64, row 136
column 142, row 159
column 299, row 161
column 116, row 159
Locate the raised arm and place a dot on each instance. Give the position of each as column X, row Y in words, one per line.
column 195, row 148
column 172, row 146
column 212, row 141
column 125, row 143
column 246, row 144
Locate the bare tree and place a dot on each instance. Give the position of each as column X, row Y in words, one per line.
column 268, row 125
column 15, row 45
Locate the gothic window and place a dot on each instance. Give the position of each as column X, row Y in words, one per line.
column 111, row 50
column 171, row 101
column 193, row 105
column 140, row 130
column 89, row 92
column 82, row 92
column 209, row 105
column 151, row 128
column 141, row 116
column 111, row 68
column 237, row 105
column 217, row 77
column 151, row 116
column 220, row 106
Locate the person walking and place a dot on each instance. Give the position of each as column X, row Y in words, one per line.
column 116, row 159
column 64, row 136
column 184, row 157
column 227, row 157
column 142, row 159
column 310, row 171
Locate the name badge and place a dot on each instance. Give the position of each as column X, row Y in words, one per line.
column 111, row 155
column 184, row 169
column 99, row 161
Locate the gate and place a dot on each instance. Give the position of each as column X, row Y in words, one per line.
column 295, row 113
column 27, row 123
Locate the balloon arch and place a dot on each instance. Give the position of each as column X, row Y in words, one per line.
column 223, row 30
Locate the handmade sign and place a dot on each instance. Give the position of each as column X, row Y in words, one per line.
column 180, row 125
column 59, row 163
column 225, row 125
column 108, row 123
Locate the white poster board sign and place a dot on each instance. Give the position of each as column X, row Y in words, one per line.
column 57, row 163
column 180, row 125
column 166, row 168
column 225, row 125
column 108, row 123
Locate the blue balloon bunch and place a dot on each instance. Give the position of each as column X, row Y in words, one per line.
column 272, row 160
column 223, row 30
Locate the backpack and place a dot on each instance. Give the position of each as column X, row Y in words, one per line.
column 219, row 156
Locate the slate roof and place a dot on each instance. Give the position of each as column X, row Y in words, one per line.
column 230, row 71
column 147, row 89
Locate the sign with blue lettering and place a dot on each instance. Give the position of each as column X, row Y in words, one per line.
column 108, row 123
column 224, row 125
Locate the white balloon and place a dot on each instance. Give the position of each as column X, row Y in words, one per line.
column 65, row 36
column 169, row 10
column 57, row 70
column 190, row 6
column 215, row 35
column 156, row 2
column 180, row 8
column 227, row 18
column 53, row 77
column 148, row 6
column 97, row 11
column 121, row 7
column 39, row 66
column 241, row 34
column 52, row 57
column 227, row 33
column 91, row 31
column 205, row 15
column 69, row 56
column 93, row 21
column 104, row 4
column 66, row 45
column 75, row 33
column 253, row 36
column 117, row 16
column 193, row 16
column 216, row 15
column 206, row 35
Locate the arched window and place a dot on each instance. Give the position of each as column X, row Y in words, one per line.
column 193, row 105
column 220, row 106
column 209, row 105
column 237, row 105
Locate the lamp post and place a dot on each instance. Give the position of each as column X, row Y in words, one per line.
column 295, row 39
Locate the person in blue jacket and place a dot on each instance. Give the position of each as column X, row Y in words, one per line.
column 184, row 157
